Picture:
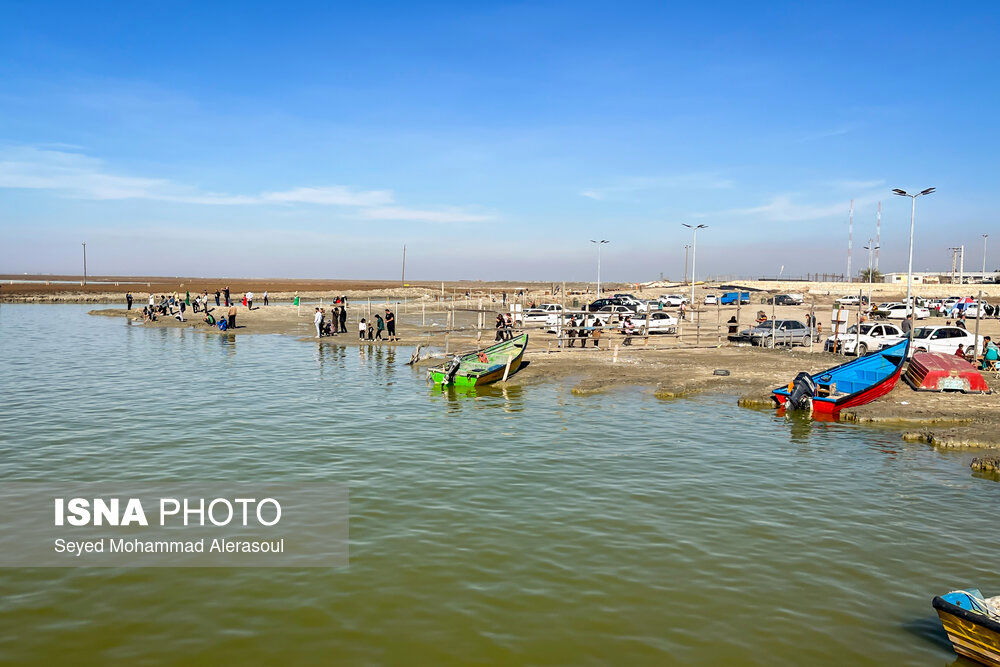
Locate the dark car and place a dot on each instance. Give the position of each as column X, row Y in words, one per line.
column 783, row 300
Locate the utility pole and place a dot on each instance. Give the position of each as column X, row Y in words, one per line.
column 850, row 241
column 687, row 247
column 878, row 233
column 599, row 244
column 84, row 263
column 402, row 276
column 694, row 258
column 909, row 261
column 961, row 265
column 985, row 236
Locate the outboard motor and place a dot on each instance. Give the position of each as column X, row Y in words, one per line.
column 452, row 369
column 802, row 391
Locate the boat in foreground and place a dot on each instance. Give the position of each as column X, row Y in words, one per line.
column 854, row 383
column 972, row 623
column 482, row 366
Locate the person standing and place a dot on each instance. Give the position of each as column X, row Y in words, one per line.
column 225, row 293
column 390, row 323
column 597, row 331
column 250, row 300
column 379, row 326
column 318, row 321
column 571, row 330
column 152, row 300
column 343, row 317
column 232, row 315
column 187, row 297
column 217, row 295
column 265, row 297
column 362, row 328
column 128, row 300
column 907, row 325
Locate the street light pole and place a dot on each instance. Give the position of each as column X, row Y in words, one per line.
column 985, row 236
column 909, row 265
column 599, row 244
column 694, row 256
column 84, row 263
column 871, row 248
column 687, row 249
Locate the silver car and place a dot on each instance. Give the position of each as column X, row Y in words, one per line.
column 780, row 332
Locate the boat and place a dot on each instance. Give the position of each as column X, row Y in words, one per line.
column 484, row 366
column 972, row 623
column 855, row 383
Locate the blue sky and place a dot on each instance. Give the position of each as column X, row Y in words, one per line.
column 495, row 140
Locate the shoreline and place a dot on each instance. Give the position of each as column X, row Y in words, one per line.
column 667, row 366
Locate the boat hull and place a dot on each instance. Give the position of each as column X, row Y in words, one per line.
column 824, row 406
column 482, row 376
column 972, row 635
column 829, row 407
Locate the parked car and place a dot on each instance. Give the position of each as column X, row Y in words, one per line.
column 541, row 312
column 628, row 300
column 733, row 297
column 781, row 332
column 870, row 337
column 597, row 304
column 615, row 311
column 659, row 322
column 649, row 305
column 943, row 339
column 783, row 300
column 672, row 299
column 711, row 300
column 898, row 311
column 851, row 300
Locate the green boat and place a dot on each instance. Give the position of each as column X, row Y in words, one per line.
column 482, row 366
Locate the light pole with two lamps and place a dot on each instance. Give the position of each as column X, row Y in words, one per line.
column 909, row 264
column 599, row 244
column 694, row 256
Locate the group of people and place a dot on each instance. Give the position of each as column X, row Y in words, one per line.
column 335, row 324
column 381, row 328
column 986, row 359
column 578, row 330
column 504, row 326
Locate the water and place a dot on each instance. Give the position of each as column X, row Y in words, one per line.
column 525, row 525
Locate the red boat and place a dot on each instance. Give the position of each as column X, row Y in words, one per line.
column 855, row 383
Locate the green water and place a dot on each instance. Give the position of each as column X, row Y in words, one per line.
column 520, row 526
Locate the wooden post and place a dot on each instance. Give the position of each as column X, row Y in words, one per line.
column 979, row 316
column 446, row 344
column 718, row 318
column 423, row 316
column 506, row 371
column 774, row 325
column 697, row 335
column 812, row 319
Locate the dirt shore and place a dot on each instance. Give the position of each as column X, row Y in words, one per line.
column 670, row 366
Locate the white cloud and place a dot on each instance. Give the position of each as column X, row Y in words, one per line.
column 691, row 181
column 80, row 176
column 336, row 195
column 447, row 214
column 782, row 208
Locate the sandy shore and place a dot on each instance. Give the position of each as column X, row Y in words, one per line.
column 670, row 366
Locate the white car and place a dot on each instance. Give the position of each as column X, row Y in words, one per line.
column 672, row 299
column 849, row 301
column 711, row 300
column 606, row 313
column 659, row 322
column 872, row 337
column 898, row 311
column 652, row 305
column 944, row 340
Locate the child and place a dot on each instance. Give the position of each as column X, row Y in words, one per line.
column 362, row 328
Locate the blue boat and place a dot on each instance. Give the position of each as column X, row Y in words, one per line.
column 854, row 383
